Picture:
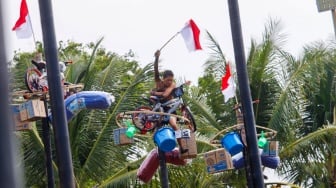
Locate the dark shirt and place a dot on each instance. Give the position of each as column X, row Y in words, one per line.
column 39, row 65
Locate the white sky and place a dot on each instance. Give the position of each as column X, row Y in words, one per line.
column 145, row 25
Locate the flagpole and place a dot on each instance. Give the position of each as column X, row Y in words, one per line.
column 171, row 38
column 234, row 78
column 31, row 26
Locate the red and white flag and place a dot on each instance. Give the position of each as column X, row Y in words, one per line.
column 22, row 26
column 228, row 85
column 190, row 34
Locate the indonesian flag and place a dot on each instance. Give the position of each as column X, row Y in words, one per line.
column 22, row 25
column 190, row 34
column 228, row 85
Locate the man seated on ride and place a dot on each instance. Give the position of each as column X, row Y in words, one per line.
column 164, row 89
column 39, row 63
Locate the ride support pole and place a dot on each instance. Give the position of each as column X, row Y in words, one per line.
column 47, row 146
column 163, row 169
column 59, row 121
column 254, row 173
column 10, row 174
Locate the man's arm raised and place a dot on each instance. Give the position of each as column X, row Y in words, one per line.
column 156, row 66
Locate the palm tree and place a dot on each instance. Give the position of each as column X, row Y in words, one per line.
column 98, row 158
column 95, row 157
column 312, row 76
column 296, row 99
column 263, row 67
column 178, row 176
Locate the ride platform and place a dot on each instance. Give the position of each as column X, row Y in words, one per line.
column 29, row 107
column 23, row 95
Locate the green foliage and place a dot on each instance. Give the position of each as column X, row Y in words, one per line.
column 297, row 99
column 263, row 67
column 210, row 86
column 313, row 86
column 18, row 67
column 91, row 132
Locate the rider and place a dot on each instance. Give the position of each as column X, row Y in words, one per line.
column 164, row 89
column 41, row 66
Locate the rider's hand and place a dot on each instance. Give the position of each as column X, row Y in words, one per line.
column 157, row 54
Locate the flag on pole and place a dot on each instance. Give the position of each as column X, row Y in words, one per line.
column 22, row 26
column 228, row 85
column 190, row 34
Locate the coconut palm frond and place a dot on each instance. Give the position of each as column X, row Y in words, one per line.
column 135, row 88
column 251, row 57
column 103, row 150
column 32, row 155
column 305, row 145
column 121, row 180
column 285, row 119
column 215, row 47
column 307, row 172
column 315, row 149
column 262, row 56
column 198, row 105
column 263, row 73
column 285, row 69
column 90, row 70
column 273, row 32
column 181, row 176
column 18, row 68
column 204, row 144
column 317, row 69
column 308, row 94
column 217, row 61
column 75, row 72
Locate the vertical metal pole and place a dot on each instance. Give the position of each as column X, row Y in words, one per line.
column 163, row 169
column 59, row 121
column 333, row 14
column 248, row 171
column 8, row 172
column 47, row 147
column 245, row 94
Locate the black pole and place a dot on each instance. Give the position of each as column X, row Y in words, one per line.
column 8, row 172
column 59, row 122
column 248, row 171
column 163, row 169
column 254, row 162
column 47, row 147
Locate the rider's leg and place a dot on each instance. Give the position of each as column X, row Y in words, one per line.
column 173, row 124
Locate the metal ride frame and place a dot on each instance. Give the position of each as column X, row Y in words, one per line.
column 240, row 127
column 32, row 79
column 35, row 76
column 128, row 115
column 23, row 96
column 162, row 159
column 28, row 94
column 271, row 133
column 153, row 116
column 147, row 118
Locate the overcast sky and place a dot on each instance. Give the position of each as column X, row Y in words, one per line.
column 145, row 25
